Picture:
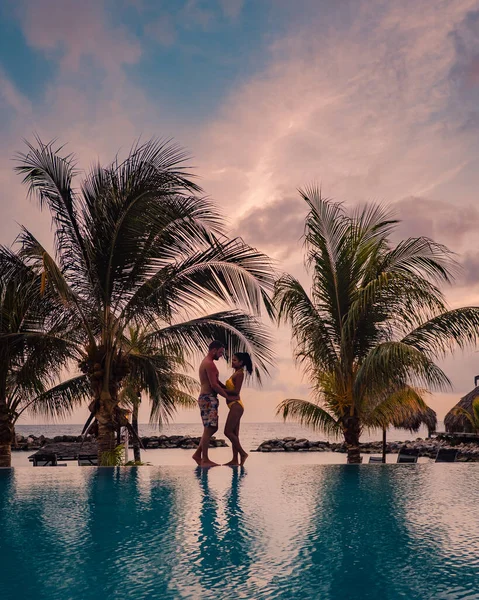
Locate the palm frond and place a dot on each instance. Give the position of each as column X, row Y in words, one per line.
column 239, row 332
column 59, row 401
column 309, row 414
column 227, row 272
column 394, row 364
column 455, row 328
column 315, row 338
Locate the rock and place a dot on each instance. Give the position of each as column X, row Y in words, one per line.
column 277, row 449
column 300, row 445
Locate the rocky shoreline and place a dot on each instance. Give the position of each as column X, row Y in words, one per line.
column 467, row 451
column 186, row 442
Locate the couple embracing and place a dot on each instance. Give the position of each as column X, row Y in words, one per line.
column 211, row 388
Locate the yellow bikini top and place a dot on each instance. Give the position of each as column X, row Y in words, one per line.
column 230, row 386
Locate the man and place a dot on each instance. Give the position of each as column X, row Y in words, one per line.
column 208, row 401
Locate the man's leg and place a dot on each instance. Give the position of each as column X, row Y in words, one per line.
column 205, row 444
column 197, row 455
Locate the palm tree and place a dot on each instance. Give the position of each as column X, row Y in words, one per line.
column 472, row 416
column 373, row 324
column 135, row 246
column 158, row 375
column 33, row 352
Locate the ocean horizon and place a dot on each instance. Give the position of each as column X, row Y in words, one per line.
column 252, row 434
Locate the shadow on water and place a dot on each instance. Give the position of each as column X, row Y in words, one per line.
column 354, row 531
column 132, row 533
column 90, row 535
column 360, row 543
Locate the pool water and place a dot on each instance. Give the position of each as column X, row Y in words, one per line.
column 288, row 532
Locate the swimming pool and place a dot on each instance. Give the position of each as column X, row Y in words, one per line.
column 288, row 532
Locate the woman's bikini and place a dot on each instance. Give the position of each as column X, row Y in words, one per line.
column 230, row 386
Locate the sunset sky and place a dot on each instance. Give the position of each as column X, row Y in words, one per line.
column 374, row 100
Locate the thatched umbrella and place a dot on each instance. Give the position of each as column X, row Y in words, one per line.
column 416, row 420
column 413, row 423
column 459, row 423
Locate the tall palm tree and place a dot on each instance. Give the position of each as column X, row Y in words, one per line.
column 33, row 353
column 135, row 245
column 158, row 375
column 374, row 322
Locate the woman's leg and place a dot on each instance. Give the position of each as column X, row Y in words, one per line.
column 231, row 432
column 235, row 452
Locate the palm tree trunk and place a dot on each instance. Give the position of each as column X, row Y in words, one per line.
column 352, row 432
column 134, row 424
column 106, row 427
column 6, row 436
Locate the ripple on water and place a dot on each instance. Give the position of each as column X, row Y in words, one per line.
column 328, row 532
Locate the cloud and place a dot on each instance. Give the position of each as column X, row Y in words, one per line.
column 13, row 98
column 444, row 222
column 374, row 100
column 77, row 30
column 276, row 228
column 357, row 110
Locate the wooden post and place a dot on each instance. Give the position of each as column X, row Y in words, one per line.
column 384, row 445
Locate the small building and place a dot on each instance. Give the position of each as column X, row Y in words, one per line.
column 459, row 423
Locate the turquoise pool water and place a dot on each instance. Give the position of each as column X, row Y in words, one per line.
column 312, row 532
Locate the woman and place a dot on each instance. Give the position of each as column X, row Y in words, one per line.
column 241, row 362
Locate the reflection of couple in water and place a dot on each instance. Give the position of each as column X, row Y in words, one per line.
column 208, row 402
column 224, row 543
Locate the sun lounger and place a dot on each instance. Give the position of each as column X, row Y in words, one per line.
column 87, row 460
column 45, row 460
column 446, row 455
column 407, row 457
column 375, row 459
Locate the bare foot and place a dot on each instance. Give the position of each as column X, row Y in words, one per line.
column 232, row 463
column 243, row 458
column 208, row 463
column 197, row 458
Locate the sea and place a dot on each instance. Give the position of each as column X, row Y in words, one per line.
column 252, row 434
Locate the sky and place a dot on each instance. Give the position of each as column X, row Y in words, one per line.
column 374, row 100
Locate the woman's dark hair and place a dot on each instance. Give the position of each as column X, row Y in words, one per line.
column 245, row 359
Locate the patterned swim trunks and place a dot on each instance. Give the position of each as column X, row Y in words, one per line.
column 209, row 404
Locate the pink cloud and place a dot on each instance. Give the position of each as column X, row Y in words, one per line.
column 77, row 29
column 354, row 110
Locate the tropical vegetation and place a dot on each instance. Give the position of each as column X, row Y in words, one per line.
column 137, row 248
column 371, row 327
column 32, row 353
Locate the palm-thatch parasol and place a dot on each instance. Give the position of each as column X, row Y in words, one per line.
column 413, row 423
column 416, row 420
column 457, row 422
